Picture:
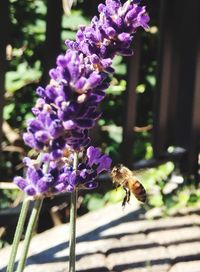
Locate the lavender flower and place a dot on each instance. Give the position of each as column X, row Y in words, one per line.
column 67, row 107
column 111, row 34
column 56, row 176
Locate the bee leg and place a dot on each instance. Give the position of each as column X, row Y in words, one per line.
column 128, row 195
column 126, row 198
column 124, row 202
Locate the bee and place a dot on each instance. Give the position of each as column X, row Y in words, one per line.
column 124, row 177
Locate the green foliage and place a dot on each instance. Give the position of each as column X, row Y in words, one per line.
column 73, row 21
column 26, row 43
column 7, row 197
column 3, row 243
column 185, row 196
column 95, row 201
column 155, row 181
column 23, row 76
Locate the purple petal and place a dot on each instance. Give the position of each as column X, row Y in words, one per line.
column 64, row 177
column 40, row 91
column 42, row 136
column 56, row 128
column 42, row 186
column 61, row 187
column 30, row 190
column 69, row 124
column 124, row 37
column 104, row 164
column 56, row 154
column 27, row 161
column 111, row 32
column 73, row 178
column 20, row 182
column 94, row 80
column 33, row 175
column 93, row 155
column 62, row 61
column 51, row 92
column 70, row 188
column 34, row 125
column 80, row 83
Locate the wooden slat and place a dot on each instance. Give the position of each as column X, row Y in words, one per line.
column 177, row 44
column 194, row 148
column 52, row 46
column 182, row 103
column 130, row 102
column 162, row 95
column 4, row 31
column 187, row 48
column 177, row 99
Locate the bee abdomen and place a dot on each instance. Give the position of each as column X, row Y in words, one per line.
column 138, row 190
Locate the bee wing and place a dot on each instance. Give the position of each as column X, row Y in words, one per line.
column 141, row 173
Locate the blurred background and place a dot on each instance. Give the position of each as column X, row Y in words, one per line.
column 151, row 115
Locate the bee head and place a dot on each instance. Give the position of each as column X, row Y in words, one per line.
column 117, row 168
column 116, row 174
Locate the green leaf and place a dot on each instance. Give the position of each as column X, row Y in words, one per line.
column 95, row 203
column 114, row 196
column 7, row 111
column 24, row 75
column 151, row 80
column 74, row 20
column 156, row 201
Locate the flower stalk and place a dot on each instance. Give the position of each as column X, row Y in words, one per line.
column 67, row 108
column 18, row 234
column 72, row 241
column 73, row 213
column 29, row 232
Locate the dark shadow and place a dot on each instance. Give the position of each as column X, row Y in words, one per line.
column 122, row 267
column 150, row 245
column 48, row 255
column 99, row 269
column 148, row 230
column 180, row 242
column 187, row 258
column 127, row 248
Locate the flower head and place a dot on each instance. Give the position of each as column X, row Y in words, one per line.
column 67, row 108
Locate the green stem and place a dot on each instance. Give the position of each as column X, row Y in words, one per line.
column 29, row 232
column 18, row 234
column 72, row 239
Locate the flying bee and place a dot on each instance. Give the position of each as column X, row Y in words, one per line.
column 124, row 177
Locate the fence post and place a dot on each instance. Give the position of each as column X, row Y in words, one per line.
column 52, row 45
column 4, row 29
column 162, row 97
column 194, row 144
column 130, row 103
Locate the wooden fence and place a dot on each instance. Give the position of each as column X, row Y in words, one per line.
column 176, row 114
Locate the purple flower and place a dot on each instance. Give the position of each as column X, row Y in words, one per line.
column 111, row 33
column 93, row 155
column 41, row 181
column 59, row 176
column 68, row 106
